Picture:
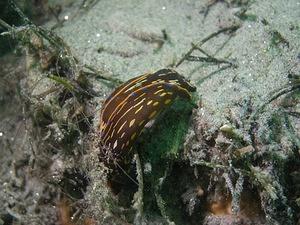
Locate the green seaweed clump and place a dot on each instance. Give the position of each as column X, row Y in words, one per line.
column 160, row 147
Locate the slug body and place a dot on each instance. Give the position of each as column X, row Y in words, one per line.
column 132, row 105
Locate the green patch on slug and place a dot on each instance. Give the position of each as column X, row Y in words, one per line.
column 164, row 140
column 160, row 147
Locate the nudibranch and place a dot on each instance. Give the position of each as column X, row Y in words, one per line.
column 132, row 105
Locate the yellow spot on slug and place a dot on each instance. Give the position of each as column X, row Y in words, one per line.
column 163, row 94
column 152, row 114
column 122, row 146
column 127, row 143
column 140, row 102
column 112, row 134
column 131, row 122
column 160, row 90
column 155, row 103
column 133, row 136
column 121, row 127
column 140, row 96
column 115, row 144
column 167, row 101
column 148, row 103
column 156, row 81
column 102, row 126
column 140, row 124
column 138, row 109
column 123, row 135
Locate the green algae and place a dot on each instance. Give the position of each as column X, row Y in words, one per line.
column 165, row 139
column 160, row 147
